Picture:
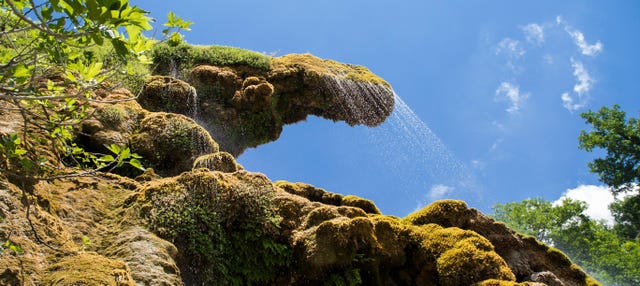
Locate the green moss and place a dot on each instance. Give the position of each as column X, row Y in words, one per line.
column 459, row 257
column 367, row 205
column 465, row 264
column 163, row 93
column 589, row 281
column 170, row 143
column 185, row 56
column 219, row 161
column 445, row 213
column 312, row 64
column 310, row 192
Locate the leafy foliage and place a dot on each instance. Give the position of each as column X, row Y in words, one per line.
column 54, row 55
column 626, row 213
column 540, row 218
column 620, row 137
column 595, row 246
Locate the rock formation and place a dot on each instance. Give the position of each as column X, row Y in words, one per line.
column 196, row 217
column 244, row 104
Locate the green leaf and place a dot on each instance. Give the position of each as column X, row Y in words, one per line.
column 124, row 154
column 113, row 148
column 15, row 248
column 136, row 164
column 106, row 158
column 22, row 73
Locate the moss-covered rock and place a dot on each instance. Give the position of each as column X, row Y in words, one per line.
column 366, row 205
column 310, row 192
column 170, row 143
column 219, row 161
column 222, row 224
column 445, row 213
column 88, row 269
column 150, row 258
column 323, row 196
column 525, row 256
column 164, row 93
column 216, row 224
column 244, row 98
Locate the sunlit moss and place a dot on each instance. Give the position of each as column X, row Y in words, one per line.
column 313, row 64
column 219, row 161
column 366, row 205
column 444, row 212
column 169, row 59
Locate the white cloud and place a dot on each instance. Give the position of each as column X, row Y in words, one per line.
column 511, row 93
column 584, row 84
column 439, row 191
column 534, row 33
column 585, row 48
column 598, row 199
column 578, row 38
column 510, row 47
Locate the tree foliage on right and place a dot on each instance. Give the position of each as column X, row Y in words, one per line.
column 620, row 137
column 608, row 252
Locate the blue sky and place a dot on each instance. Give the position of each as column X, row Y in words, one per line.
column 495, row 87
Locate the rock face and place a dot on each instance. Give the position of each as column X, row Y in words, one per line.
column 196, row 217
column 245, row 106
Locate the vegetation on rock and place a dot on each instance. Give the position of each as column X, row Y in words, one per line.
column 245, row 98
column 223, row 224
column 202, row 219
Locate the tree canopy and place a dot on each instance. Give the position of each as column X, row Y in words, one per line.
column 612, row 259
column 620, row 137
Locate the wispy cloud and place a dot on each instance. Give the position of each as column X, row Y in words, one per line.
column 584, row 83
column 510, row 47
column 439, row 191
column 511, row 93
column 534, row 33
column 578, row 38
column 585, row 48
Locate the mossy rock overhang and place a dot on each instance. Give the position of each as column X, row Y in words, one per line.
column 244, row 98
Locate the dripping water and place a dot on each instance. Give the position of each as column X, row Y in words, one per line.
column 192, row 103
column 359, row 102
column 173, row 68
column 419, row 157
